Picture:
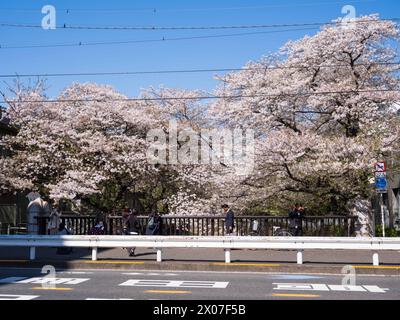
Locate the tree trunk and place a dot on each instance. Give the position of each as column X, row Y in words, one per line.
column 362, row 209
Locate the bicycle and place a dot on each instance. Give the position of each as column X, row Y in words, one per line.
column 131, row 250
column 280, row 232
column 255, row 228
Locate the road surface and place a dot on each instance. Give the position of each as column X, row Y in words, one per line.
column 21, row 283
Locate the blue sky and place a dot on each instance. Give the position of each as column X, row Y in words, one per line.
column 230, row 52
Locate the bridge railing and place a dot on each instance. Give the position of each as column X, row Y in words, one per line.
column 299, row 244
column 339, row 226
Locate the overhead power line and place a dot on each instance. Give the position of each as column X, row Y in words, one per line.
column 206, row 97
column 163, row 39
column 190, row 70
column 156, row 10
column 173, row 28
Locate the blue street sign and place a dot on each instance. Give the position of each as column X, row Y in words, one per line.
column 381, row 184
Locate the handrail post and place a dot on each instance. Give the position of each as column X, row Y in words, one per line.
column 300, row 257
column 94, row 254
column 375, row 259
column 32, row 253
column 159, row 255
column 227, row 255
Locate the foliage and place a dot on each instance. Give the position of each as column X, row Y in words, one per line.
column 389, row 232
column 321, row 110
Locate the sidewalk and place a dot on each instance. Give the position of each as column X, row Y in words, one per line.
column 315, row 261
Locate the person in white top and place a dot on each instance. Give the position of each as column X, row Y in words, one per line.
column 37, row 208
column 55, row 220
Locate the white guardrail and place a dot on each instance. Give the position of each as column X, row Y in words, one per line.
column 227, row 243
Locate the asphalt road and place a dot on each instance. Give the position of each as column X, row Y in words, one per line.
column 147, row 285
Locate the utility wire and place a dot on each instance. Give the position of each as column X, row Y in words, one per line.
column 156, row 10
column 191, row 70
column 163, row 39
column 152, row 28
column 202, row 97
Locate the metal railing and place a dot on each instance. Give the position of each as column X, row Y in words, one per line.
column 226, row 243
column 339, row 226
column 78, row 224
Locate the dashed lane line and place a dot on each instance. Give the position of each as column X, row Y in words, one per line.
column 52, row 289
column 245, row 264
column 113, row 262
column 377, row 267
column 149, row 274
column 108, row 299
column 168, row 291
column 294, row 295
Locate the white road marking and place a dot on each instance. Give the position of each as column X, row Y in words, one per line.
column 376, row 289
column 107, row 299
column 16, row 297
column 175, row 284
column 149, row 274
column 12, row 279
column 74, row 272
column 294, row 277
column 325, row 287
column 347, row 288
column 38, row 280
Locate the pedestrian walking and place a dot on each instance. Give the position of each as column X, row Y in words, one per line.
column 132, row 227
column 54, row 220
column 153, row 225
column 296, row 216
column 37, row 208
column 229, row 219
column 63, row 231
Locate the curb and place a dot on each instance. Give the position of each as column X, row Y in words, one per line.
column 385, row 270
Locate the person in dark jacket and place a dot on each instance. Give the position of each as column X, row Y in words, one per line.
column 132, row 227
column 229, row 219
column 153, row 225
column 133, row 223
column 296, row 216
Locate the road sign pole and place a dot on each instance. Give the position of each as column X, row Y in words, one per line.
column 381, row 186
column 383, row 216
column 374, row 223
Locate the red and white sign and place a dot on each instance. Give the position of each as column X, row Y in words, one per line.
column 380, row 167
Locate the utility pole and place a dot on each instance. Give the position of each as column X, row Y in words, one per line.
column 382, row 215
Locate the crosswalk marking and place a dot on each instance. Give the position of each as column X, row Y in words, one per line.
column 70, row 281
column 175, row 284
column 327, row 288
column 16, row 297
column 12, row 279
column 39, row 280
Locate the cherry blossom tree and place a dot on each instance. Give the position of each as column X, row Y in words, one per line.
column 321, row 108
column 86, row 141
